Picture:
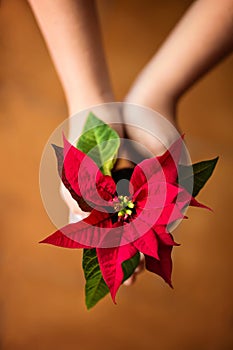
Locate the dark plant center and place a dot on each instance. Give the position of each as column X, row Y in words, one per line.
column 123, row 205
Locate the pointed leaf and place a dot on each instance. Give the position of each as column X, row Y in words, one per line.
column 198, row 174
column 95, row 288
column 60, row 158
column 100, row 142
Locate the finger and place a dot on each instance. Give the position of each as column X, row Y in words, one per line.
column 141, row 265
column 130, row 281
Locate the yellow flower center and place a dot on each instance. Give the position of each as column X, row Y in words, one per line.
column 123, row 206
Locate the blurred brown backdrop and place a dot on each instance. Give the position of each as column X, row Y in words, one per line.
column 42, row 301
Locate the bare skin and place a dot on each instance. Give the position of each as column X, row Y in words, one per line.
column 71, row 30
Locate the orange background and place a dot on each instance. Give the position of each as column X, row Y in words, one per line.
column 42, row 301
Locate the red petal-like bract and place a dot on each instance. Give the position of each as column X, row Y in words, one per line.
column 166, row 165
column 148, row 244
column 88, row 231
column 163, row 265
column 158, row 201
column 85, row 177
column 110, row 261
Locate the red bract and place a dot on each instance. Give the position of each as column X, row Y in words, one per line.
column 119, row 224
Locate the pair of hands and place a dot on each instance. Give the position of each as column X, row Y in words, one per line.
column 194, row 46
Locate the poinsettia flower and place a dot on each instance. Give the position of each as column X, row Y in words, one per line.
column 121, row 224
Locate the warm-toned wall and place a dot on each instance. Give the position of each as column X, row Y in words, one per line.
column 42, row 301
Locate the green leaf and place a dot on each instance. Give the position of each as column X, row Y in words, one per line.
column 130, row 265
column 96, row 287
column 100, row 142
column 196, row 175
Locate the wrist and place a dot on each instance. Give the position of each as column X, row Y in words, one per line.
column 102, row 106
column 159, row 102
column 77, row 101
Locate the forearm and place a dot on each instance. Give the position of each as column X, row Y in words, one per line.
column 202, row 38
column 72, row 33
